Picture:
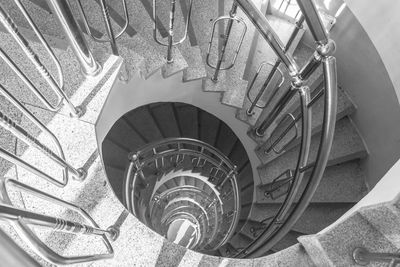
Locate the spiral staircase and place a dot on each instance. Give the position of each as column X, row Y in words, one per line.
column 171, row 182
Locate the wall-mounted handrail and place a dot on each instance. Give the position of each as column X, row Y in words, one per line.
column 21, row 219
column 21, row 133
column 56, row 87
column 171, row 42
column 72, row 31
column 363, row 257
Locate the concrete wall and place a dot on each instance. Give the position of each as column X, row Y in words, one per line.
column 371, row 80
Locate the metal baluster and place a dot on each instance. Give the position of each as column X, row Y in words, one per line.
column 57, row 88
column 109, row 29
column 231, row 18
column 63, row 12
column 275, row 68
column 79, row 174
column 170, row 42
column 231, row 175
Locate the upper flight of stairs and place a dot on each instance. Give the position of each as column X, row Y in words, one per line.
column 343, row 183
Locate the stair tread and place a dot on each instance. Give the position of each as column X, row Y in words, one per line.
column 209, row 134
column 143, row 122
column 187, row 116
column 122, row 132
column 226, row 139
column 265, row 54
column 340, row 183
column 345, row 107
column 347, row 145
column 166, row 120
column 288, row 240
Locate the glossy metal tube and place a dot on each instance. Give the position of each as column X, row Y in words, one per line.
column 261, row 23
column 260, row 130
column 62, row 10
column 109, row 29
column 328, row 129
column 310, row 66
column 314, row 21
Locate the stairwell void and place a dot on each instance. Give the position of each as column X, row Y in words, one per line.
column 180, row 197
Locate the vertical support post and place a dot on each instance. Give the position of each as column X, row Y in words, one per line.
column 171, row 32
column 62, row 10
column 228, row 30
column 109, row 29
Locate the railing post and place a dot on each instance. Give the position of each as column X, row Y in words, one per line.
column 62, row 10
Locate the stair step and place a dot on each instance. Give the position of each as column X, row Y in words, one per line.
column 316, row 217
column 125, row 134
column 164, row 116
column 347, row 145
column 226, row 139
column 141, row 120
column 113, row 154
column 288, row 240
column 188, row 120
column 238, row 155
column 341, row 183
column 245, row 176
column 116, row 177
column 265, row 54
column 345, row 107
column 209, row 128
column 334, row 247
column 191, row 56
column 389, row 226
column 240, row 241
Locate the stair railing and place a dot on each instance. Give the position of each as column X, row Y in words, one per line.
column 275, row 68
column 294, row 182
column 21, row 219
column 174, row 150
column 290, row 212
column 171, row 42
column 21, row 133
column 112, row 37
column 363, row 257
column 56, row 87
column 221, row 55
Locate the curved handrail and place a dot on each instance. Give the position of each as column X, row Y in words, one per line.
column 179, row 148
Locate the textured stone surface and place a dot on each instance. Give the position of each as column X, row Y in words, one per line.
column 347, row 145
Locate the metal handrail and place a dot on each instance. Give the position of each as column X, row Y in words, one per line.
column 21, row 133
column 363, row 257
column 177, row 148
column 112, row 37
column 170, row 43
column 21, row 218
column 304, row 150
column 56, row 87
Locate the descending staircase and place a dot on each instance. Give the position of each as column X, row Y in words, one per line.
column 261, row 193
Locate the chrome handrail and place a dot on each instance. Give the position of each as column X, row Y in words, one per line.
column 21, row 219
column 22, row 134
column 56, row 87
column 231, row 18
column 275, row 224
column 170, row 43
column 112, row 37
